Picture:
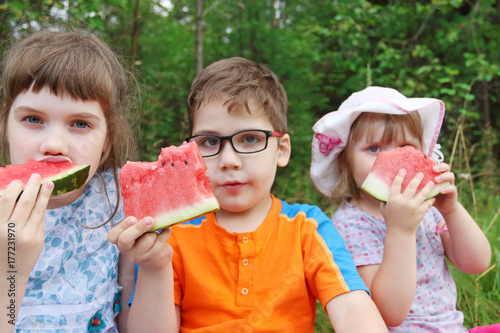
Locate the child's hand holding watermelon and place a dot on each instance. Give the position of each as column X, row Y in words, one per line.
column 22, row 214
column 148, row 249
column 21, row 221
column 154, row 258
column 404, row 210
column 464, row 238
column 448, row 200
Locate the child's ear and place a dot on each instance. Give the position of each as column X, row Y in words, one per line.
column 284, row 150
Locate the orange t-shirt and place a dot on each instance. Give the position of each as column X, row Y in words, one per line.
column 262, row 281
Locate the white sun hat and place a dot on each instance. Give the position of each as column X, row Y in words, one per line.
column 332, row 130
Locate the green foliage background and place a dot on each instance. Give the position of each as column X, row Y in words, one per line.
column 322, row 51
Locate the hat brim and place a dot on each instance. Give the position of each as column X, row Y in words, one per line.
column 337, row 124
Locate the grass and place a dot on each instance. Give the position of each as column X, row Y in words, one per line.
column 322, row 323
column 479, row 295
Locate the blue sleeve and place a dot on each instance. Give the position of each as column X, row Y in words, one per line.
column 334, row 241
column 341, row 255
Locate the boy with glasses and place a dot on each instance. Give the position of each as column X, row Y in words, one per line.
column 258, row 264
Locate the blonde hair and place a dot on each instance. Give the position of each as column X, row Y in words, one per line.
column 79, row 65
column 238, row 81
column 367, row 124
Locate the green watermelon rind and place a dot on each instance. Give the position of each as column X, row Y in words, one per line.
column 376, row 187
column 181, row 215
column 68, row 180
column 379, row 189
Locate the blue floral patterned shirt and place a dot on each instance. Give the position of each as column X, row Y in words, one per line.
column 73, row 286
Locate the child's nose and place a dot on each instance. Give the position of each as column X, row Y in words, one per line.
column 229, row 158
column 55, row 142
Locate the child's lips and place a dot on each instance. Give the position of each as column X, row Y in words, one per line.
column 56, row 159
column 232, row 186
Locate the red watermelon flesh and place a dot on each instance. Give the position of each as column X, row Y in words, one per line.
column 65, row 175
column 173, row 189
column 387, row 165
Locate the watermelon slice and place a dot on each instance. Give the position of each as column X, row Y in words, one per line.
column 65, row 175
column 173, row 189
column 387, row 165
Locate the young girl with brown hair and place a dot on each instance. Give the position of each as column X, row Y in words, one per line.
column 64, row 98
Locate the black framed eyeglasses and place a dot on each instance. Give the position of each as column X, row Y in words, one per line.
column 243, row 142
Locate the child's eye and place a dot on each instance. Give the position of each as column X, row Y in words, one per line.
column 373, row 149
column 81, row 124
column 33, row 120
column 250, row 139
column 209, row 141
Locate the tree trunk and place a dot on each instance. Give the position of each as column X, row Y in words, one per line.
column 241, row 8
column 484, row 103
column 4, row 24
column 200, row 4
column 135, row 32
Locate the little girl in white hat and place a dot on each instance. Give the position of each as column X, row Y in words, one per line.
column 400, row 246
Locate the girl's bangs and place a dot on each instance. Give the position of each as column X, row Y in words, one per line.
column 407, row 125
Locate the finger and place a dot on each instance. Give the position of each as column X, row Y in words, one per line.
column 162, row 239
column 411, row 189
column 36, row 220
column 147, row 240
column 426, row 190
column 160, row 252
column 449, row 190
column 441, row 167
column 146, row 245
column 398, row 181
column 445, row 177
column 429, row 203
column 26, row 201
column 9, row 198
column 117, row 230
column 164, row 235
column 129, row 237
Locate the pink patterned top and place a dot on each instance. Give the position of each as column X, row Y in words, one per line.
column 434, row 306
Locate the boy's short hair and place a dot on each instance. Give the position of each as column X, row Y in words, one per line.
column 237, row 81
column 367, row 124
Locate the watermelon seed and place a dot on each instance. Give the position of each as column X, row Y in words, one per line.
column 172, row 163
column 185, row 162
